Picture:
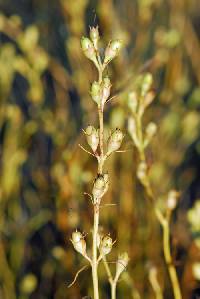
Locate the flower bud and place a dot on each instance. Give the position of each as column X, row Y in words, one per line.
column 79, row 242
column 112, row 50
column 122, row 263
column 105, row 245
column 92, row 137
column 115, row 141
column 146, row 83
column 88, row 48
column 172, row 199
column 96, row 92
column 100, row 186
column 94, row 35
column 106, row 86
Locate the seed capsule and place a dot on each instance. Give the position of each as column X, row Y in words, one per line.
column 92, row 137
column 115, row 141
column 132, row 129
column 96, row 92
column 133, row 101
column 146, row 83
column 94, row 35
column 172, row 199
column 106, row 245
column 106, row 86
column 142, row 172
column 112, row 50
column 88, row 48
column 151, row 130
column 122, row 263
column 100, row 186
column 79, row 242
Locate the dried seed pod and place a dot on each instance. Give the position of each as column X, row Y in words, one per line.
column 146, row 83
column 122, row 263
column 132, row 129
column 115, row 141
column 151, row 130
column 100, row 186
column 79, row 242
column 172, row 198
column 94, row 35
column 149, row 97
column 112, row 50
column 96, row 92
column 88, row 48
column 133, row 102
column 142, row 172
column 106, row 86
column 92, row 136
column 106, row 245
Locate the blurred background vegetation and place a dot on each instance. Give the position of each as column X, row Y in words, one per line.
column 44, row 103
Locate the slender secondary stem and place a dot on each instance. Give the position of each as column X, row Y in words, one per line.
column 169, row 261
column 113, row 282
column 164, row 222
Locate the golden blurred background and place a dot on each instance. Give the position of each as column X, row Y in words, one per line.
column 44, row 104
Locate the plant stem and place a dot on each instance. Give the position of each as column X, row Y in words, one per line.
column 96, row 205
column 169, row 261
column 113, row 290
column 164, row 222
column 94, row 252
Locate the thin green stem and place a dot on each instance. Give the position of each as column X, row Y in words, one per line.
column 164, row 221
